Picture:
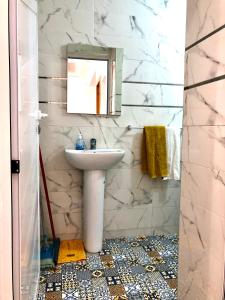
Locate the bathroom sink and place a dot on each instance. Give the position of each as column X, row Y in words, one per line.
column 98, row 159
column 94, row 163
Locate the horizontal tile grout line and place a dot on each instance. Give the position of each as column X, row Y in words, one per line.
column 143, row 105
column 200, row 165
column 205, row 37
column 131, row 105
column 52, row 102
column 204, row 82
column 125, row 81
column 204, row 125
column 52, row 77
column 153, row 83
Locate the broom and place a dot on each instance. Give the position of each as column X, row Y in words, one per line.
column 49, row 249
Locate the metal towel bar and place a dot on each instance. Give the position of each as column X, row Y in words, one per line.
column 130, row 127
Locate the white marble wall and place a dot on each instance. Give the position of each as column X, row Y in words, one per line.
column 202, row 217
column 153, row 57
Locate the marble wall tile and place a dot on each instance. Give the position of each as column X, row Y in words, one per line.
column 135, row 94
column 189, row 289
column 53, row 54
column 66, row 201
column 141, row 197
column 165, row 229
column 167, row 65
column 123, row 178
column 143, row 49
column 202, row 218
column 153, row 60
column 67, row 16
column 170, row 71
column 68, row 223
column 65, row 119
column 166, row 196
column 201, row 189
column 165, row 216
column 155, row 17
column 128, row 198
column 117, row 199
column 130, row 7
column 154, row 37
column 207, row 229
column 126, row 187
column 51, row 65
column 154, row 56
column 157, row 53
column 204, row 145
column 59, row 138
column 150, row 54
column 127, row 218
column 152, row 94
column 135, row 116
column 203, row 17
column 51, row 90
column 204, row 105
column 61, row 23
column 63, row 180
column 134, row 232
column 140, row 231
column 65, row 190
column 202, row 235
column 140, row 189
column 158, row 183
column 210, row 56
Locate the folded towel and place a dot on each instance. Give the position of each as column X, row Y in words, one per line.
column 173, row 144
column 154, row 154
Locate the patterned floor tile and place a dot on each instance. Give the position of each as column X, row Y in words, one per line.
column 97, row 273
column 129, row 268
column 117, row 290
column 53, row 296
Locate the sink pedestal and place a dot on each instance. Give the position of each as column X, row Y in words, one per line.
column 94, row 163
column 93, row 203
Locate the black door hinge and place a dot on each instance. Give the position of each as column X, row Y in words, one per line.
column 15, row 166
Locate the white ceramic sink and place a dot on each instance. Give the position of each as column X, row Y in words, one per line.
column 98, row 159
column 94, row 163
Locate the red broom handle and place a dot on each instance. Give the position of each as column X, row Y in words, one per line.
column 46, row 193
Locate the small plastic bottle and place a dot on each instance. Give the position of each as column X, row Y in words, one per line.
column 80, row 145
column 92, row 144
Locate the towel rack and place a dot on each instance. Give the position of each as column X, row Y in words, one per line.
column 130, row 127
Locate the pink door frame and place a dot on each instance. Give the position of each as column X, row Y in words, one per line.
column 14, row 144
column 6, row 283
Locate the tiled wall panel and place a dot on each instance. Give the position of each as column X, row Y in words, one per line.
column 148, row 33
column 205, row 17
column 206, row 60
column 202, row 212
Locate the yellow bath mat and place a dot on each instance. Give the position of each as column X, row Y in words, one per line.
column 71, row 251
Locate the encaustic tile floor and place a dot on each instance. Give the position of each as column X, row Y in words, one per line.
column 127, row 268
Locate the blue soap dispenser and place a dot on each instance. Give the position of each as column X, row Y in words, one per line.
column 80, row 145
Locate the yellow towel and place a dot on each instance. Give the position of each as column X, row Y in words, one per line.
column 154, row 155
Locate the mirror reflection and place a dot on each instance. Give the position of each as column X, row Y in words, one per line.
column 94, row 80
column 87, row 86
